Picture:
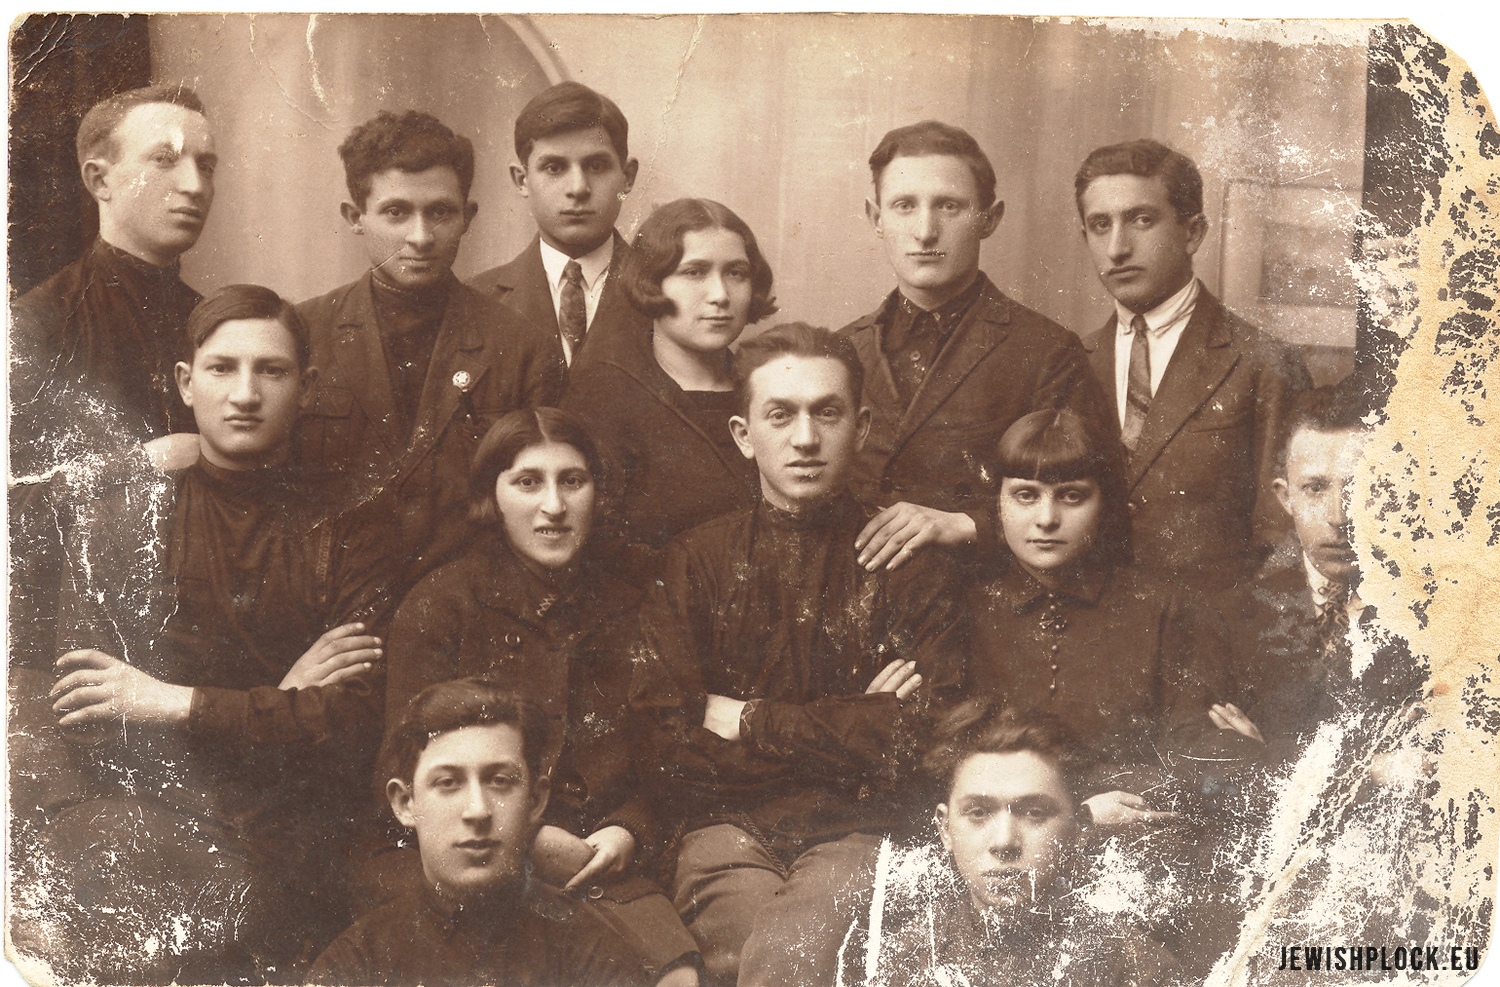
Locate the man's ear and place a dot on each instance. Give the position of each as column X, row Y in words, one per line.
column 353, row 215
column 184, row 374
column 866, row 416
column 1283, row 491
column 518, row 179
column 740, row 430
column 1197, row 231
column 309, row 385
column 940, row 818
column 96, row 179
column 631, row 169
column 872, row 213
column 398, row 793
column 989, row 220
column 541, row 791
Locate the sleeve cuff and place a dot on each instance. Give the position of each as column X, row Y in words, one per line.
column 216, row 713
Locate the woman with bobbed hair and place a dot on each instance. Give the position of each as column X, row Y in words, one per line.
column 661, row 404
column 1070, row 627
column 527, row 608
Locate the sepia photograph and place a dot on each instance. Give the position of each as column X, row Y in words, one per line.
column 763, row 498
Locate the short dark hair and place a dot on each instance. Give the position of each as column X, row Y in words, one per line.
column 1057, row 445
column 413, row 141
column 1148, row 159
column 1338, row 407
column 453, row 705
column 935, row 137
column 245, row 301
column 508, row 438
column 985, row 725
column 658, row 251
column 795, row 339
column 96, row 132
column 570, row 106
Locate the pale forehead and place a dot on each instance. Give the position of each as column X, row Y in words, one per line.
column 714, row 243
column 473, row 747
column 1008, row 777
column 436, row 184
column 1120, row 193
column 250, row 338
column 799, row 380
column 548, row 456
column 928, row 174
column 1313, row 452
column 574, row 144
column 165, row 123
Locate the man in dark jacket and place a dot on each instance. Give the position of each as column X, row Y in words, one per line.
column 788, row 687
column 1200, row 394
column 414, row 365
column 218, row 701
column 574, row 169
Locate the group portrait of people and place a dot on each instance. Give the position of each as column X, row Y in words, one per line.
column 593, row 621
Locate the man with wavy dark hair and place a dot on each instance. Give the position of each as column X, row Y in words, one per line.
column 415, row 365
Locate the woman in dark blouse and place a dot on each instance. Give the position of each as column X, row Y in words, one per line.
column 526, row 608
column 661, row 407
column 1070, row 628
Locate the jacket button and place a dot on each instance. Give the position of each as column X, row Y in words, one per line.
column 513, row 639
column 595, row 892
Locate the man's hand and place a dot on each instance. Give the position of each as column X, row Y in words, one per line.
column 899, row 677
column 557, row 855
column 722, row 716
column 1120, row 808
column 893, row 535
column 97, row 688
column 176, row 451
column 613, row 847
column 1228, row 716
column 339, row 654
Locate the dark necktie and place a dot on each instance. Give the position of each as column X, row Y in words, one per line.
column 1333, row 624
column 1138, row 385
column 572, row 316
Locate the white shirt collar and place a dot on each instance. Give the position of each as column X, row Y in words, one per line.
column 594, row 263
column 1322, row 587
column 1169, row 313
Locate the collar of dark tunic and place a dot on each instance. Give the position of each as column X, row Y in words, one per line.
column 825, row 516
column 134, row 271
column 1084, row 586
column 492, row 914
column 402, row 311
column 270, row 482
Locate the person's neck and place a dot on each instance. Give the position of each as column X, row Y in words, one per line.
column 573, row 250
column 279, row 457
column 1162, row 299
column 116, row 238
column 693, row 370
column 928, row 299
column 811, row 507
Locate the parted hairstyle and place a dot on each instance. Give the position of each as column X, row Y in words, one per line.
column 795, row 339
column 935, row 137
column 508, row 438
column 413, row 141
column 570, row 106
column 1056, row 445
column 96, row 132
column 984, row 725
column 1146, row 158
column 448, row 706
column 659, row 247
column 1331, row 408
column 245, row 301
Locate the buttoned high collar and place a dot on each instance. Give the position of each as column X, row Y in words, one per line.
column 594, row 263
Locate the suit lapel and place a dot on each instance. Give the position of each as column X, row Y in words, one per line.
column 459, row 350
column 1101, row 348
column 361, row 356
column 527, row 291
column 982, row 328
column 1203, row 358
column 614, row 308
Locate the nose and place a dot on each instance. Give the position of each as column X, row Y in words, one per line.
column 805, row 434
column 579, row 187
column 716, row 292
column 1047, row 515
column 246, row 390
column 1338, row 511
column 927, row 225
column 476, row 806
column 1118, row 244
column 1005, row 840
column 552, row 501
column 420, row 234
column 191, row 179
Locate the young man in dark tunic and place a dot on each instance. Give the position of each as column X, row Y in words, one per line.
column 92, row 347
column 218, row 702
column 465, row 773
column 997, row 902
column 788, row 687
column 574, row 169
column 414, row 365
column 950, row 361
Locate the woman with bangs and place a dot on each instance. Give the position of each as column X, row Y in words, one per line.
column 661, row 406
column 1071, row 628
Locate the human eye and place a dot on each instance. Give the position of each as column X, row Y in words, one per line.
column 1144, row 220
column 577, row 481
column 1098, row 225
column 445, row 782
column 778, row 416
column 207, row 166
column 692, row 271
column 831, row 413
column 1025, row 495
column 599, row 166
column 1075, row 495
column 164, row 157
column 526, row 482
column 951, row 207
column 739, row 272
column 394, row 212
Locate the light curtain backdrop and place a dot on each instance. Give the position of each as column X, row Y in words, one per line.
column 776, row 115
